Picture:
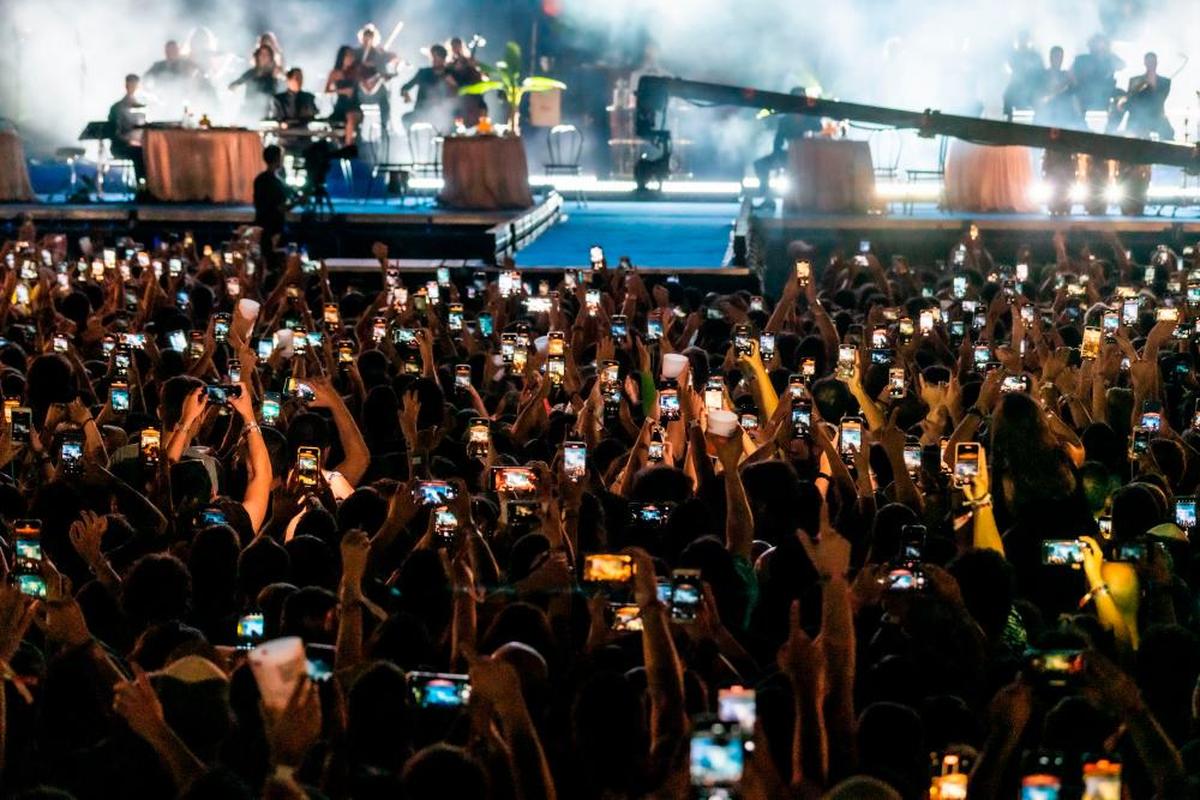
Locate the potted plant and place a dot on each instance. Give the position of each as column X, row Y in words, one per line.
column 505, row 77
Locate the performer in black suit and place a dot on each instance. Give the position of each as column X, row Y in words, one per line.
column 295, row 106
column 1145, row 102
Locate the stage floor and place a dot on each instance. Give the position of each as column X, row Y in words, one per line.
column 654, row 234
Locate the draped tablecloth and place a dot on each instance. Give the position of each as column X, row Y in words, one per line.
column 14, row 173
column 829, row 175
column 485, row 172
column 216, row 166
column 984, row 178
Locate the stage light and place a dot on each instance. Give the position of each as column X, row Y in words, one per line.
column 1078, row 193
column 1114, row 194
column 1040, row 192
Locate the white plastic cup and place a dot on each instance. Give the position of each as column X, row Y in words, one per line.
column 542, row 343
column 278, row 665
column 673, row 365
column 283, row 339
column 248, row 309
column 722, row 422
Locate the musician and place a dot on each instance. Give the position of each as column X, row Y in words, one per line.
column 464, row 69
column 436, row 89
column 125, row 120
column 271, row 200
column 371, row 54
column 173, row 69
column 1095, row 75
column 1057, row 104
column 261, row 82
column 1025, row 69
column 1145, row 102
column 342, row 82
column 788, row 127
column 269, row 39
column 296, row 107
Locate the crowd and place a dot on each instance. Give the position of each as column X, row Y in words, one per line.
column 903, row 531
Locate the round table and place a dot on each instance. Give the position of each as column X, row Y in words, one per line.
column 216, row 165
column 14, row 172
column 484, row 173
column 829, row 176
column 984, row 178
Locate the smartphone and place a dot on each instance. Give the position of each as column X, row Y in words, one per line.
column 22, row 425
column 1062, row 552
column 478, row 437
column 1166, row 314
column 1014, row 383
column 70, row 453
column 1130, row 310
column 845, row 362
column 896, row 382
column 61, row 343
column 434, row 493
column 912, row 458
column 1055, row 667
column 619, row 327
column 905, row 328
column 221, row 322
column 668, row 404
column 445, row 526
column 454, row 317
column 27, row 557
column 714, row 394
column 1041, row 786
column 514, row 480
column 686, row 593
column 803, row 271
column 118, row 397
column 1092, row 337
column 850, row 438
column 575, row 460
column 1101, row 778
column 270, row 408
column 1185, row 512
column 654, row 328
column 741, row 340
column 250, row 631
column 149, row 448
column 925, row 321
column 625, row 617
column 1141, row 441
column 308, row 465
column 607, row 568
column 959, row 287
column 1110, row 323
column 905, row 578
column 748, row 422
column 801, row 417
column 717, row 754
column 439, row 689
column 736, row 704
column 220, row 394
column 766, row 345
column 592, row 300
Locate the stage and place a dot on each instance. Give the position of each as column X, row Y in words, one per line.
column 415, row 226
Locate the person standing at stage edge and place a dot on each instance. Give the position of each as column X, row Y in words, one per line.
column 271, row 200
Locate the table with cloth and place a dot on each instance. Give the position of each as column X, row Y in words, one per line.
column 14, row 172
column 828, row 176
column 215, row 165
column 985, row 178
column 484, row 173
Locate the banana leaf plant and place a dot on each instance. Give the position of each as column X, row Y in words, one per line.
column 505, row 77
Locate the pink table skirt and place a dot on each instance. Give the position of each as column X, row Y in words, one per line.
column 981, row 178
column 829, row 175
column 485, row 173
column 14, row 173
column 216, row 166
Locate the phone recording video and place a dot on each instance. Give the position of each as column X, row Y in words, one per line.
column 514, row 480
column 250, row 631
column 686, row 592
column 438, row 689
column 27, row 557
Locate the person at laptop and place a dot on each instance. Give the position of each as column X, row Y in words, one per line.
column 295, row 107
column 125, row 120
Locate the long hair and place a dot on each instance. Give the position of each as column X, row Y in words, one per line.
column 341, row 56
column 1024, row 450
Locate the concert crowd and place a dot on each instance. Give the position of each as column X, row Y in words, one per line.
column 906, row 530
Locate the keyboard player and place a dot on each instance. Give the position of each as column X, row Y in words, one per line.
column 126, row 119
column 295, row 108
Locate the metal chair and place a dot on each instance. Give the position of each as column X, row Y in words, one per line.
column 125, row 170
column 395, row 177
column 565, row 147
column 929, row 175
column 69, row 156
column 425, row 150
column 886, row 147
